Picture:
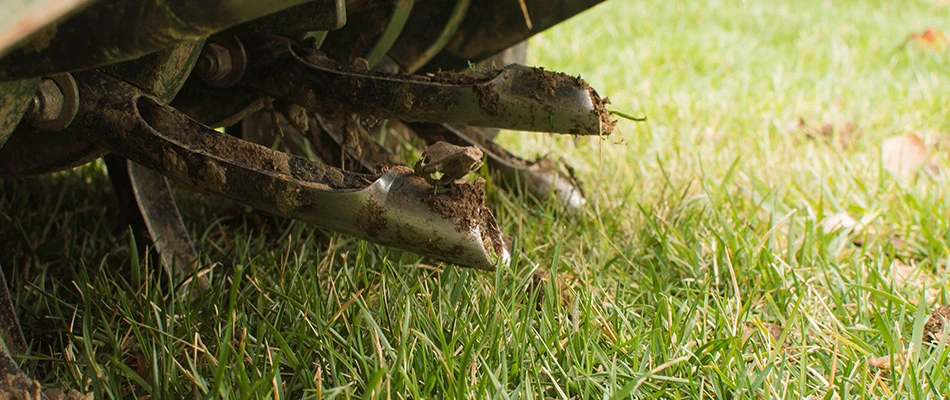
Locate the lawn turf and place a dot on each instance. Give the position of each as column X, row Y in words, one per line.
column 698, row 270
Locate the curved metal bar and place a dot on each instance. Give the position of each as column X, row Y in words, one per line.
column 397, row 20
column 397, row 209
column 517, row 97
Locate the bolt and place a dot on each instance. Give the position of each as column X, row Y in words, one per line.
column 214, row 64
column 54, row 104
column 47, row 103
column 221, row 64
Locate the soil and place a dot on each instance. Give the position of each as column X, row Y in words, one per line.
column 452, row 161
column 935, row 325
column 487, row 99
column 464, row 204
column 196, row 138
column 549, row 82
column 600, row 107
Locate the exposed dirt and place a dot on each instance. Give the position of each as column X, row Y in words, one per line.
column 547, row 81
column 462, row 202
column 487, row 99
column 452, row 161
column 600, row 108
column 935, row 325
column 550, row 81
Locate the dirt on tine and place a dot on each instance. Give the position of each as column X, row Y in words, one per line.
column 547, row 81
column 487, row 99
column 462, row 202
column 600, row 107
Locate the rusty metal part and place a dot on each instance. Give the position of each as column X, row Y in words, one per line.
column 322, row 15
column 419, row 43
column 147, row 203
column 55, row 103
column 496, row 25
column 26, row 23
column 540, row 178
column 112, row 31
column 516, row 97
column 161, row 74
column 15, row 99
column 144, row 196
column 396, row 209
column 222, row 62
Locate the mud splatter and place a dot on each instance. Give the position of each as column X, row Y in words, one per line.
column 487, row 99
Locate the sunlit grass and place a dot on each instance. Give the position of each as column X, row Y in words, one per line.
column 697, row 270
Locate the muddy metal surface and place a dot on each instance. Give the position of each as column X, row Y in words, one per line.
column 516, row 97
column 396, row 208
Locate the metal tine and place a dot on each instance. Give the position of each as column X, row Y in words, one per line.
column 148, row 204
column 515, row 97
column 396, row 208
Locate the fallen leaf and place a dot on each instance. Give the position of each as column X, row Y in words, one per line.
column 930, row 38
column 880, row 362
column 838, row 222
column 841, row 133
column 905, row 155
column 901, row 272
column 884, row 362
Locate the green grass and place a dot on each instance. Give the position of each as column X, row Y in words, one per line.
column 701, row 234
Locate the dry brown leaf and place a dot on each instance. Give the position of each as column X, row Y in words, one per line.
column 880, row 362
column 841, row 221
column 905, row 155
column 842, row 134
column 901, row 272
column 930, row 38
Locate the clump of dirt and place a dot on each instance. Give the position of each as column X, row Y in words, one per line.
column 935, row 325
column 600, row 107
column 462, row 202
column 547, row 81
column 457, row 78
column 842, row 134
column 452, row 161
column 487, row 99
